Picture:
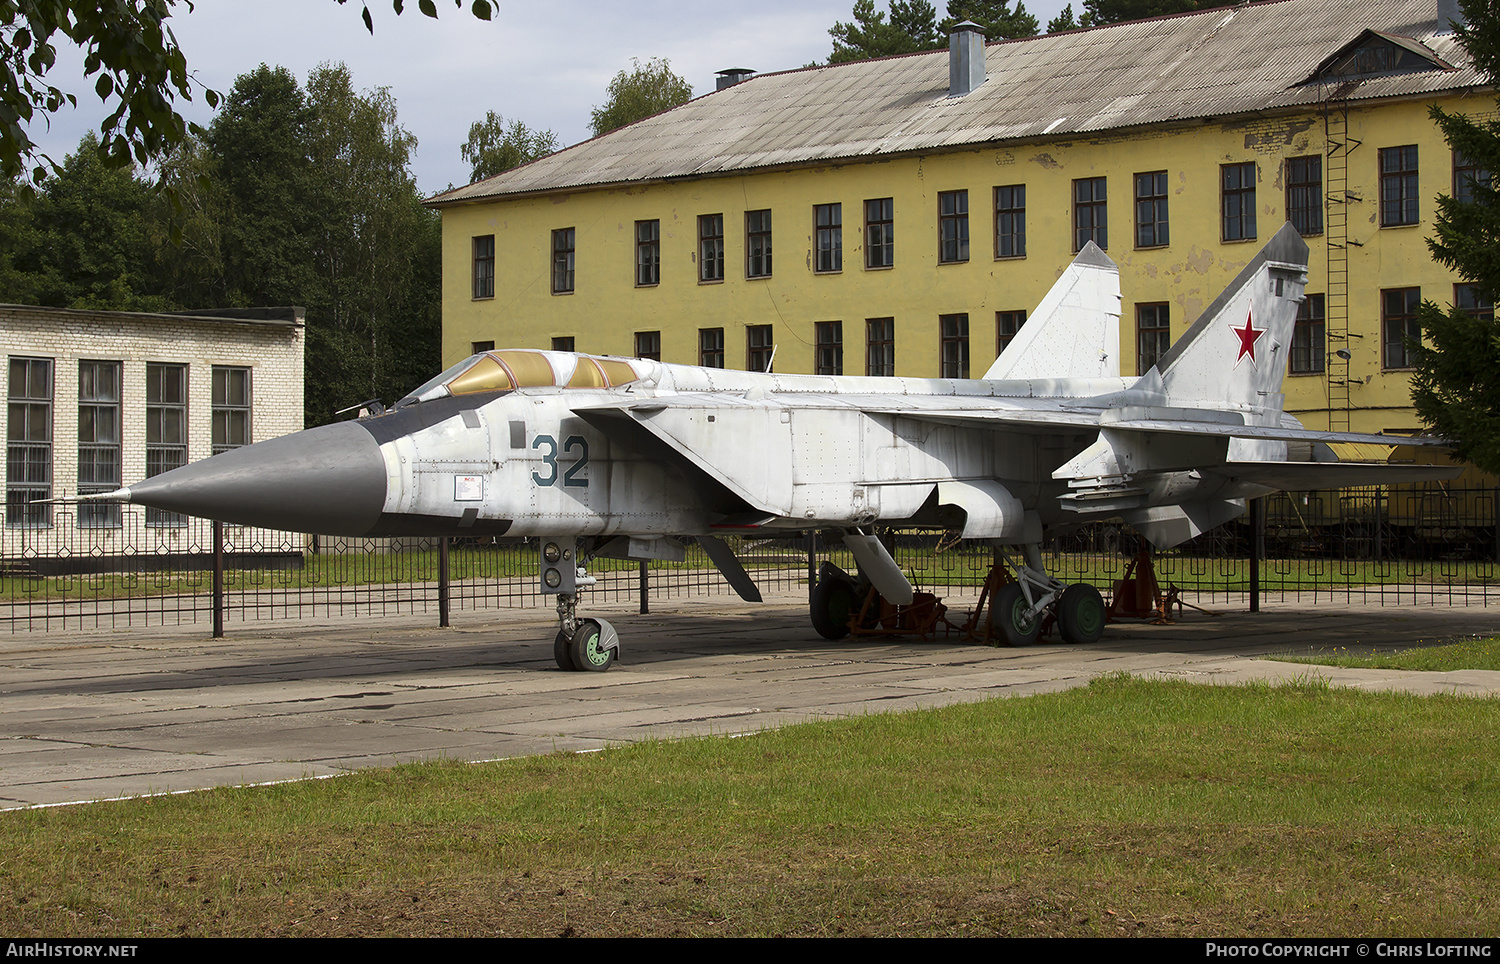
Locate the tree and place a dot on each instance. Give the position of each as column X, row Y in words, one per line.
column 140, row 71
column 1099, row 12
column 639, row 94
column 1063, row 21
column 94, row 239
column 272, row 212
column 995, row 16
column 1456, row 386
column 912, row 27
column 493, row 147
column 377, row 326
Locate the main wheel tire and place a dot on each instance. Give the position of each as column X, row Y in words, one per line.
column 1081, row 614
column 832, row 604
column 1010, row 612
column 588, row 655
column 562, row 651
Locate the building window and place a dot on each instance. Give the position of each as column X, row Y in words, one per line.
column 953, row 227
column 28, row 453
column 1010, row 221
column 564, row 343
column 562, row 261
column 829, row 223
column 880, row 346
column 880, row 233
column 484, row 266
column 828, row 354
column 711, row 247
column 166, row 429
column 1472, row 300
column 479, row 346
column 757, row 244
column 1399, row 324
column 1398, row 186
column 1238, row 182
column 1151, row 210
column 1153, row 335
column 711, row 347
column 647, row 253
column 1304, row 194
column 759, row 347
column 1090, row 213
column 648, row 345
column 1468, row 177
column 231, row 408
column 98, row 441
column 1007, row 326
column 1308, row 337
column 953, row 331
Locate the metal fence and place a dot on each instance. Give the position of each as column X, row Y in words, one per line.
column 1429, row 544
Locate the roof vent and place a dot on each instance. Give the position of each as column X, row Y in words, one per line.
column 965, row 58
column 732, row 75
column 1448, row 13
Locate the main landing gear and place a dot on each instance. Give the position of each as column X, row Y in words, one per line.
column 1020, row 607
column 581, row 645
column 1014, row 610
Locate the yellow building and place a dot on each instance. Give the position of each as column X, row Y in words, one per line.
column 900, row 216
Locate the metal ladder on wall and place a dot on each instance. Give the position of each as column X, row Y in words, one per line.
column 1337, row 198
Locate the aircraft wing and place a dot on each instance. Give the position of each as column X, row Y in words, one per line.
column 1043, row 419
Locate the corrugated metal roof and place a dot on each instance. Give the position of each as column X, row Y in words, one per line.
column 1215, row 63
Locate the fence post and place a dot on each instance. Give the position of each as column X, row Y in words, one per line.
column 645, row 588
column 812, row 561
column 443, row 582
column 1257, row 547
column 218, row 580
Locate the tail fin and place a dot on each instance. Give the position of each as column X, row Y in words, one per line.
column 1075, row 331
column 1236, row 353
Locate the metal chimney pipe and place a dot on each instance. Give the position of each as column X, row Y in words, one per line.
column 966, row 58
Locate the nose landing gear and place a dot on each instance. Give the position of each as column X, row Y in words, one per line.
column 581, row 645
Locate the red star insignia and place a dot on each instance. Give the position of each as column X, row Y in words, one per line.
column 1248, row 336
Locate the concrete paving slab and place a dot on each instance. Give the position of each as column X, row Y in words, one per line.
column 106, row 713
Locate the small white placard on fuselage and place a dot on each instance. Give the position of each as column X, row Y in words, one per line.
column 468, row 488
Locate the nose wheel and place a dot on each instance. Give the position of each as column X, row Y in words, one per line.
column 581, row 645
column 591, row 648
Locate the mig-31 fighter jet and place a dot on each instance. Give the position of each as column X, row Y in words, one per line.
column 603, row 456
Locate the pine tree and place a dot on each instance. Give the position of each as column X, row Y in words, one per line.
column 1456, row 387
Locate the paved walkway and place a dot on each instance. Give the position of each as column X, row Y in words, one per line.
column 86, row 716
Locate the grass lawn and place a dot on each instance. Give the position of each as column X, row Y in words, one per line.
column 1127, row 807
column 1468, row 654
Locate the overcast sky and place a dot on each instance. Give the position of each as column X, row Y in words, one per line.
column 543, row 63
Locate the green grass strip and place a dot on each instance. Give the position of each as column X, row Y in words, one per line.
column 1127, row 807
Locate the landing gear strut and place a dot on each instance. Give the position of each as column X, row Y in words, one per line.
column 1021, row 607
column 581, row 645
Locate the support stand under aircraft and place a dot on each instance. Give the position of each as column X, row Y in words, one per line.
column 622, row 457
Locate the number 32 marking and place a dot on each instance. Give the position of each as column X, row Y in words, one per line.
column 549, row 458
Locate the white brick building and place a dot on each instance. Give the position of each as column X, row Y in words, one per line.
column 97, row 399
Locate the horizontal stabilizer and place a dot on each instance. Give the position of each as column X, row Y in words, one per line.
column 1305, row 476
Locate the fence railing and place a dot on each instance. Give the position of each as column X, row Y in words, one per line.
column 1412, row 545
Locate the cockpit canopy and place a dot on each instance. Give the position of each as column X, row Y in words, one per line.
column 509, row 369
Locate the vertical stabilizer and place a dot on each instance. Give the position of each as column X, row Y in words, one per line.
column 1235, row 354
column 1075, row 331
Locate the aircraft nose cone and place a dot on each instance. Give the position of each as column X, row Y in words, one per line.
column 328, row 480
